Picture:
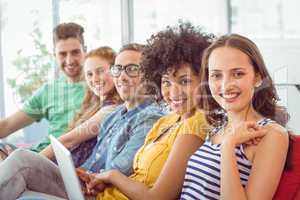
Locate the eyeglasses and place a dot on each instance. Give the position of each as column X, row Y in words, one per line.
column 132, row 70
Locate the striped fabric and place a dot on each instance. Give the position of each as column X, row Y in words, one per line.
column 202, row 178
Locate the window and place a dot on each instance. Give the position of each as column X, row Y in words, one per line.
column 266, row 19
column 273, row 25
column 25, row 30
column 101, row 20
column 27, row 46
column 152, row 16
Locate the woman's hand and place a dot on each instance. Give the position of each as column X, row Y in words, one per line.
column 82, row 174
column 247, row 133
column 5, row 150
column 86, row 177
column 100, row 181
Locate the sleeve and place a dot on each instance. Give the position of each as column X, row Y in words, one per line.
column 33, row 107
column 104, row 111
column 196, row 126
column 124, row 160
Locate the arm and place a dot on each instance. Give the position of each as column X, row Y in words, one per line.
column 31, row 111
column 82, row 133
column 167, row 185
column 124, row 159
column 267, row 166
column 14, row 122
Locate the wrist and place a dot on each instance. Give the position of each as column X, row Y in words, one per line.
column 228, row 143
column 112, row 174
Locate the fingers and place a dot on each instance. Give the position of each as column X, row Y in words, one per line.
column 100, row 187
column 82, row 174
column 249, row 133
column 252, row 126
column 79, row 169
column 2, row 155
column 255, row 129
column 9, row 150
column 84, row 189
column 254, row 141
column 90, row 191
column 254, row 137
column 92, row 183
column 259, row 133
column 95, row 189
column 96, row 182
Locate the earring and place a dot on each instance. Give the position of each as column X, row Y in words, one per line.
column 257, row 84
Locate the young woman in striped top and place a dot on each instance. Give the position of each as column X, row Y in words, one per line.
column 245, row 154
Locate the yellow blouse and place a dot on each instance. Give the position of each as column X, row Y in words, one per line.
column 150, row 158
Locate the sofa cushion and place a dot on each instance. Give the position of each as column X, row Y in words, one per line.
column 290, row 179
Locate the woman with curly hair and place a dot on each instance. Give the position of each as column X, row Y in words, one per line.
column 172, row 59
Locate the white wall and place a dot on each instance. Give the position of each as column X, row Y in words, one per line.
column 282, row 58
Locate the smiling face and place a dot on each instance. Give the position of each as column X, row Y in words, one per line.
column 96, row 71
column 231, row 78
column 179, row 89
column 126, row 86
column 69, row 55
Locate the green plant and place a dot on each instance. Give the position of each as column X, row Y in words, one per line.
column 33, row 69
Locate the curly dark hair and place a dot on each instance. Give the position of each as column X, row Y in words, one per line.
column 172, row 47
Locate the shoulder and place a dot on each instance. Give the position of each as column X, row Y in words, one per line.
column 195, row 125
column 276, row 131
column 105, row 110
column 108, row 108
column 46, row 85
column 113, row 115
column 276, row 137
column 41, row 91
column 55, row 82
column 52, row 85
column 198, row 117
column 150, row 111
column 117, row 109
column 171, row 117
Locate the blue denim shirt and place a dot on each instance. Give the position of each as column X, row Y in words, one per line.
column 121, row 134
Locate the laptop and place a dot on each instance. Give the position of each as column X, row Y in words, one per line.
column 67, row 169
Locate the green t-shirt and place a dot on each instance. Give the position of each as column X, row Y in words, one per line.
column 57, row 101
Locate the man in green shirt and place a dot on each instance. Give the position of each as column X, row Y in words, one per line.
column 57, row 100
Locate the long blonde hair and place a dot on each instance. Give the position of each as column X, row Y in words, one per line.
column 91, row 102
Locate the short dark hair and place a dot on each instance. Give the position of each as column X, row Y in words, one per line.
column 68, row 30
column 132, row 47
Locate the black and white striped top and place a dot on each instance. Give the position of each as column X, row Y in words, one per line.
column 202, row 177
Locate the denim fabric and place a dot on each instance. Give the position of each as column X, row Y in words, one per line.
column 121, row 134
column 82, row 152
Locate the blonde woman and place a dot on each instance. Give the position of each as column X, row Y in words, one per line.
column 100, row 98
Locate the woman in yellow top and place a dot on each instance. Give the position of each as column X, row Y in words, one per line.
column 172, row 57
